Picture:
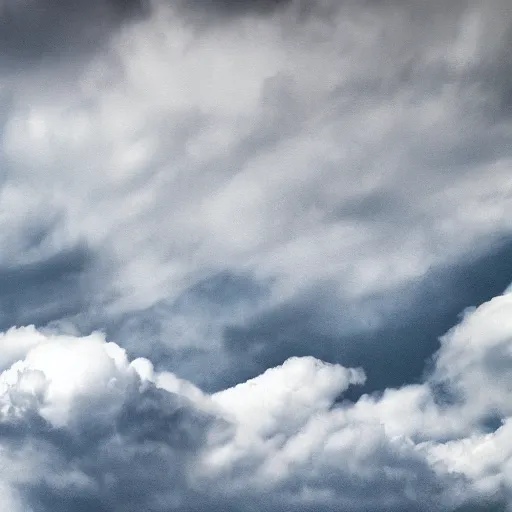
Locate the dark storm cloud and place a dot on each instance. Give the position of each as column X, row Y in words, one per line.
column 484, row 507
column 31, row 30
column 234, row 7
column 217, row 296
column 131, row 460
column 174, row 331
column 46, row 290
column 393, row 352
column 394, row 348
column 152, row 417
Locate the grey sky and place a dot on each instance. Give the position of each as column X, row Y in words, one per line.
column 221, row 185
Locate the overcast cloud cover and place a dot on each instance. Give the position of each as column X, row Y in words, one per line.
column 253, row 255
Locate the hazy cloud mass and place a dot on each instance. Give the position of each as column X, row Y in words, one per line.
column 255, row 255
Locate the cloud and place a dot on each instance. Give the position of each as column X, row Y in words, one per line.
column 44, row 290
column 353, row 151
column 79, row 407
column 258, row 196
column 359, row 334
column 338, row 161
column 222, row 10
column 47, row 30
column 84, row 427
column 224, row 187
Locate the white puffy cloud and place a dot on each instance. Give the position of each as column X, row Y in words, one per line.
column 262, row 412
column 82, row 426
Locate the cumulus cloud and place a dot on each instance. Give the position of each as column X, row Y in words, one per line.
column 83, row 427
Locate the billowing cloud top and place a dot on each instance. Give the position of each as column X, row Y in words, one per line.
column 83, row 428
column 254, row 200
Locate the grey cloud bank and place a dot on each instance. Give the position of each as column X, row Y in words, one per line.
column 37, row 29
column 220, row 187
column 353, row 152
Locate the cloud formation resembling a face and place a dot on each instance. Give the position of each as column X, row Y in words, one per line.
column 84, row 428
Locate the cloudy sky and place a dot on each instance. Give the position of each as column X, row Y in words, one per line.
column 255, row 255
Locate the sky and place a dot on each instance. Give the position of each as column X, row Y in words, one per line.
column 255, row 255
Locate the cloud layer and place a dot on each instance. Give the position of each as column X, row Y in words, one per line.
column 84, row 428
column 327, row 153
column 255, row 199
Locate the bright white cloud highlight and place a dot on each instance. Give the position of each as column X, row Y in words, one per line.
column 94, row 421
